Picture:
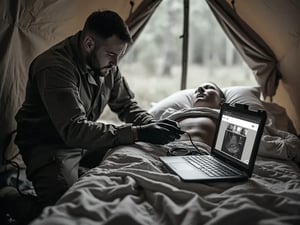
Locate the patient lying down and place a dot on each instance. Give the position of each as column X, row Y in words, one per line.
column 202, row 128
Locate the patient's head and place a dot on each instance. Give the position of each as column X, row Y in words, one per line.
column 209, row 95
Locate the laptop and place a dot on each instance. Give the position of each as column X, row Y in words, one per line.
column 234, row 149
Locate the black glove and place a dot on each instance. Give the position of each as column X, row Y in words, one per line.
column 160, row 132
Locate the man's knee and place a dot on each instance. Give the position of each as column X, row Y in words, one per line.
column 50, row 184
column 55, row 175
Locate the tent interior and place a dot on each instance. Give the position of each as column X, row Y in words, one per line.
column 265, row 33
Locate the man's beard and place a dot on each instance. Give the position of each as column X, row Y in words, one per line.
column 93, row 63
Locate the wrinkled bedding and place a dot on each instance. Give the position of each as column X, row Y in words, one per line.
column 131, row 186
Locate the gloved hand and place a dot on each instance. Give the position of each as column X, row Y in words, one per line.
column 159, row 132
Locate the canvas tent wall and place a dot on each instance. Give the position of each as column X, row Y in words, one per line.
column 265, row 32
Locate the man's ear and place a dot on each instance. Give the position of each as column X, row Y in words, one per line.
column 88, row 44
column 222, row 101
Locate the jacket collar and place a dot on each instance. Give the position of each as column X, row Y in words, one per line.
column 78, row 56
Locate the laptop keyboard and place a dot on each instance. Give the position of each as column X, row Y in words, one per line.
column 209, row 166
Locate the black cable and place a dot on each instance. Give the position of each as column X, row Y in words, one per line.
column 199, row 151
column 233, row 4
column 184, row 151
column 131, row 7
column 10, row 160
column 16, row 165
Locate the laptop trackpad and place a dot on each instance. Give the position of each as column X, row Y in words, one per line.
column 187, row 171
column 181, row 166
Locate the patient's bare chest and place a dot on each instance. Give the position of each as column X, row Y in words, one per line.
column 200, row 128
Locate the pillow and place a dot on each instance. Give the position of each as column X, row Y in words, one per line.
column 248, row 95
column 184, row 99
column 178, row 100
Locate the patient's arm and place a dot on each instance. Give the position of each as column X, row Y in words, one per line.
column 200, row 128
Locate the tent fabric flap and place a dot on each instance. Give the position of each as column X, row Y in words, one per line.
column 251, row 47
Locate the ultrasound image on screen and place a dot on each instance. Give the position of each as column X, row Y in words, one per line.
column 234, row 140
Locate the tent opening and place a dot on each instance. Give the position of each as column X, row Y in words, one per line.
column 153, row 64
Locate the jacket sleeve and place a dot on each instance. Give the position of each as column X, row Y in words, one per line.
column 122, row 102
column 60, row 96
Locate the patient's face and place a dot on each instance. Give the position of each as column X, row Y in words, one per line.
column 207, row 95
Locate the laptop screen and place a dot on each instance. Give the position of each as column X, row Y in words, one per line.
column 236, row 136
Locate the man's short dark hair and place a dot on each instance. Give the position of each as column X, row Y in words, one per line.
column 106, row 24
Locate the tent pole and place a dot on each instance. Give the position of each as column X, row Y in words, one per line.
column 185, row 44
